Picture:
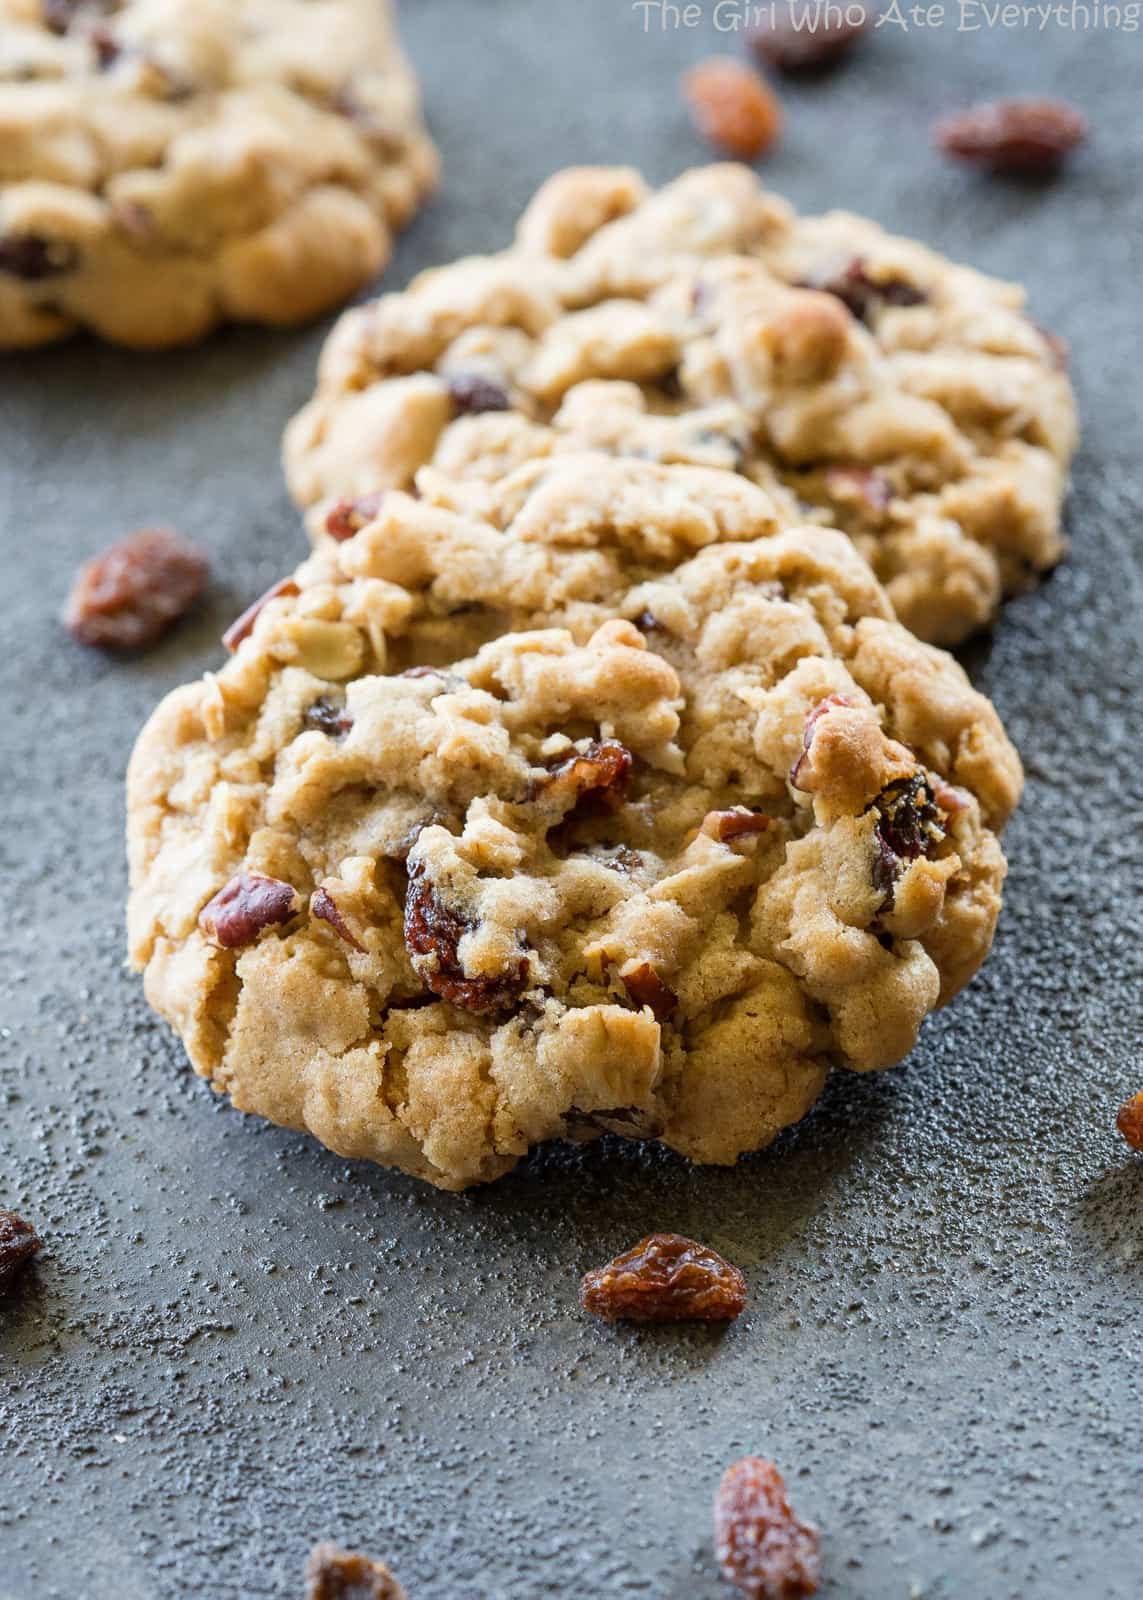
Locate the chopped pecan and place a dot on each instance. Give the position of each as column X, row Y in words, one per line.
column 761, row 1547
column 19, row 1242
column 336, row 1574
column 1014, row 136
column 327, row 716
column 726, row 826
column 733, row 107
column 128, row 596
column 472, row 393
column 244, row 906
column 862, row 295
column 812, row 720
column 646, row 988
column 665, row 1278
column 432, row 933
column 348, row 516
column 807, row 38
column 909, row 824
column 243, row 626
column 590, row 782
column 324, row 907
column 1130, row 1121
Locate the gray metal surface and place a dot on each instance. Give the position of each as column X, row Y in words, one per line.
column 236, row 1344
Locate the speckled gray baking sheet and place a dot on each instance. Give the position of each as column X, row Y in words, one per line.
column 236, row 1344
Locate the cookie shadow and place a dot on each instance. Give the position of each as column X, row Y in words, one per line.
column 1109, row 1214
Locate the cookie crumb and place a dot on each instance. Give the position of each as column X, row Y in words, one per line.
column 19, row 1242
column 733, row 107
column 1130, row 1121
column 127, row 597
column 336, row 1574
column 666, row 1277
column 1030, row 137
column 762, row 1548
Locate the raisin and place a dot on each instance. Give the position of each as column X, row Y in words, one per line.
column 432, row 934
column 761, row 1547
column 326, row 716
column 31, row 257
column 324, row 907
column 732, row 107
column 129, row 595
column 807, row 39
column 106, row 47
column 871, row 490
column 59, row 15
column 909, row 824
column 646, row 988
column 1014, row 136
column 823, row 706
column 19, row 1242
column 665, row 1278
column 1130, row 1121
column 472, row 393
column 726, row 826
column 647, row 622
column 348, row 517
column 242, row 627
column 336, row 1574
column 244, row 906
column 862, row 295
column 591, row 782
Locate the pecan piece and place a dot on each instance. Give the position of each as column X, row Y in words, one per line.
column 812, row 720
column 326, row 716
column 432, row 933
column 732, row 107
column 19, row 1242
column 244, row 906
column 336, row 1574
column 590, row 782
column 1014, row 136
column 128, row 596
column 665, row 1278
column 324, row 907
column 909, row 824
column 31, row 257
column 1130, row 1121
column 726, row 826
column 807, row 38
column 862, row 295
column 348, row 516
column 472, row 393
column 761, row 1547
column 243, row 626
column 646, row 988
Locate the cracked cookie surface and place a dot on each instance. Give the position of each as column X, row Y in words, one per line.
column 166, row 165
column 605, row 804
column 865, row 381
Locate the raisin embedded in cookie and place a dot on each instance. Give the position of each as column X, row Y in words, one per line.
column 868, row 383
column 608, row 807
column 172, row 164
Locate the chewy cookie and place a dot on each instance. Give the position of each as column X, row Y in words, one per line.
column 865, row 381
column 608, row 804
column 166, row 165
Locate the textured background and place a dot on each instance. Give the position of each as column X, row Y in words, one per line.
column 236, row 1344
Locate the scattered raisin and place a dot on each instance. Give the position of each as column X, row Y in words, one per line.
column 432, row 934
column 591, row 782
column 807, row 39
column 129, row 595
column 19, row 1242
column 1014, row 136
column 31, row 257
column 326, row 716
column 646, row 988
column 243, row 626
column 732, row 107
column 761, row 1547
column 324, row 907
column 862, row 295
column 909, row 824
column 1130, row 1121
column 348, row 517
column 244, row 906
column 830, row 702
column 727, row 826
column 336, row 1574
column 665, row 1278
column 871, row 490
column 472, row 393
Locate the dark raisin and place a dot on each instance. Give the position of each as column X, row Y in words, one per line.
column 733, row 107
column 472, row 393
column 646, row 988
column 348, row 517
column 665, row 1278
column 762, row 1548
column 326, row 716
column 872, row 491
column 808, row 38
column 336, row 1574
column 909, row 824
column 591, row 782
column 432, row 934
column 243, row 626
column 31, row 257
column 727, row 826
column 324, row 907
column 862, row 295
column 107, row 48
column 647, row 622
column 129, row 595
column 830, row 703
column 1014, row 136
column 670, row 384
column 1130, row 1121
column 19, row 1242
column 244, row 906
